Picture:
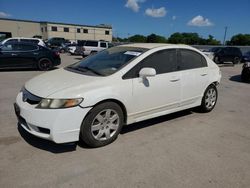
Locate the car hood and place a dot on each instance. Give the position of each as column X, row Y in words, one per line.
column 55, row 81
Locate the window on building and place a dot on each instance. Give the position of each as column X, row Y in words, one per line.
column 66, row 29
column 46, row 29
column 42, row 29
column 53, row 28
column 85, row 31
column 78, row 30
column 106, row 32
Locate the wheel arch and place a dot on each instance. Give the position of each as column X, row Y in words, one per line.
column 122, row 106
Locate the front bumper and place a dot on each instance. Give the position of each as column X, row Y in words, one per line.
column 57, row 125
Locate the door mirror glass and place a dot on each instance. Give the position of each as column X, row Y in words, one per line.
column 147, row 72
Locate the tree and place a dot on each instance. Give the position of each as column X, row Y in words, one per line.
column 240, row 39
column 191, row 39
column 153, row 38
column 212, row 41
column 137, row 38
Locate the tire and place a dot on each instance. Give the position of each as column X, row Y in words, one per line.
column 236, row 60
column 217, row 60
column 44, row 64
column 244, row 77
column 93, row 52
column 102, row 124
column 209, row 99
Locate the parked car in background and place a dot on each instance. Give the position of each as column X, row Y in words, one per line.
column 92, row 99
column 55, row 42
column 245, row 74
column 26, row 40
column 246, row 57
column 77, row 48
column 227, row 54
column 92, row 47
column 26, row 55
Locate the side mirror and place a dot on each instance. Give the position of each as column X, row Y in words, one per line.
column 147, row 72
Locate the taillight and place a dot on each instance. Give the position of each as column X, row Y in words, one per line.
column 57, row 53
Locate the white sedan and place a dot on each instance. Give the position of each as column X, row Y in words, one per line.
column 92, row 99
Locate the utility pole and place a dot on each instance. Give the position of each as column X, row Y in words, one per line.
column 225, row 35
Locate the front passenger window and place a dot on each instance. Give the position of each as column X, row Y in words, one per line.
column 163, row 61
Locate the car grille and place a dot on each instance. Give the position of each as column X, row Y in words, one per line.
column 30, row 98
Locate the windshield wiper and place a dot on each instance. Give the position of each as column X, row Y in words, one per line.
column 84, row 69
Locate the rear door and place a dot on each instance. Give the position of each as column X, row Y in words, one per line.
column 194, row 76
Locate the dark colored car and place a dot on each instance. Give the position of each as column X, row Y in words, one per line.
column 246, row 57
column 26, row 55
column 227, row 54
column 55, row 42
column 245, row 74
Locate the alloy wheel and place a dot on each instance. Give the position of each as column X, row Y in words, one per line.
column 105, row 124
column 210, row 98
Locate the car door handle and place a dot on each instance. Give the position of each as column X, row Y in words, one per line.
column 175, row 80
column 14, row 54
column 35, row 53
column 204, row 74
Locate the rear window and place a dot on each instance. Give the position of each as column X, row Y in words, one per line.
column 91, row 43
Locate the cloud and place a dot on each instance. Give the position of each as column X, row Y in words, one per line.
column 174, row 17
column 4, row 15
column 200, row 21
column 156, row 13
column 134, row 4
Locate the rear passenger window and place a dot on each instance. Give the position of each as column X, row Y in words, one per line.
column 191, row 60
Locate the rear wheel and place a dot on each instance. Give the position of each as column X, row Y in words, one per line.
column 217, row 60
column 44, row 64
column 102, row 125
column 236, row 60
column 209, row 99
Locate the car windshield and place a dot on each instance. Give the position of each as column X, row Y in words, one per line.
column 107, row 61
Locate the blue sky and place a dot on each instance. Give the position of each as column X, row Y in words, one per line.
column 129, row 17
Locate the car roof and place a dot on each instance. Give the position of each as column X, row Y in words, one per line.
column 153, row 45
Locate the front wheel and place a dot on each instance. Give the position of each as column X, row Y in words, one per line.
column 209, row 99
column 102, row 125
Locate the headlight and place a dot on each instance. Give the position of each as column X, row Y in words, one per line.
column 58, row 103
